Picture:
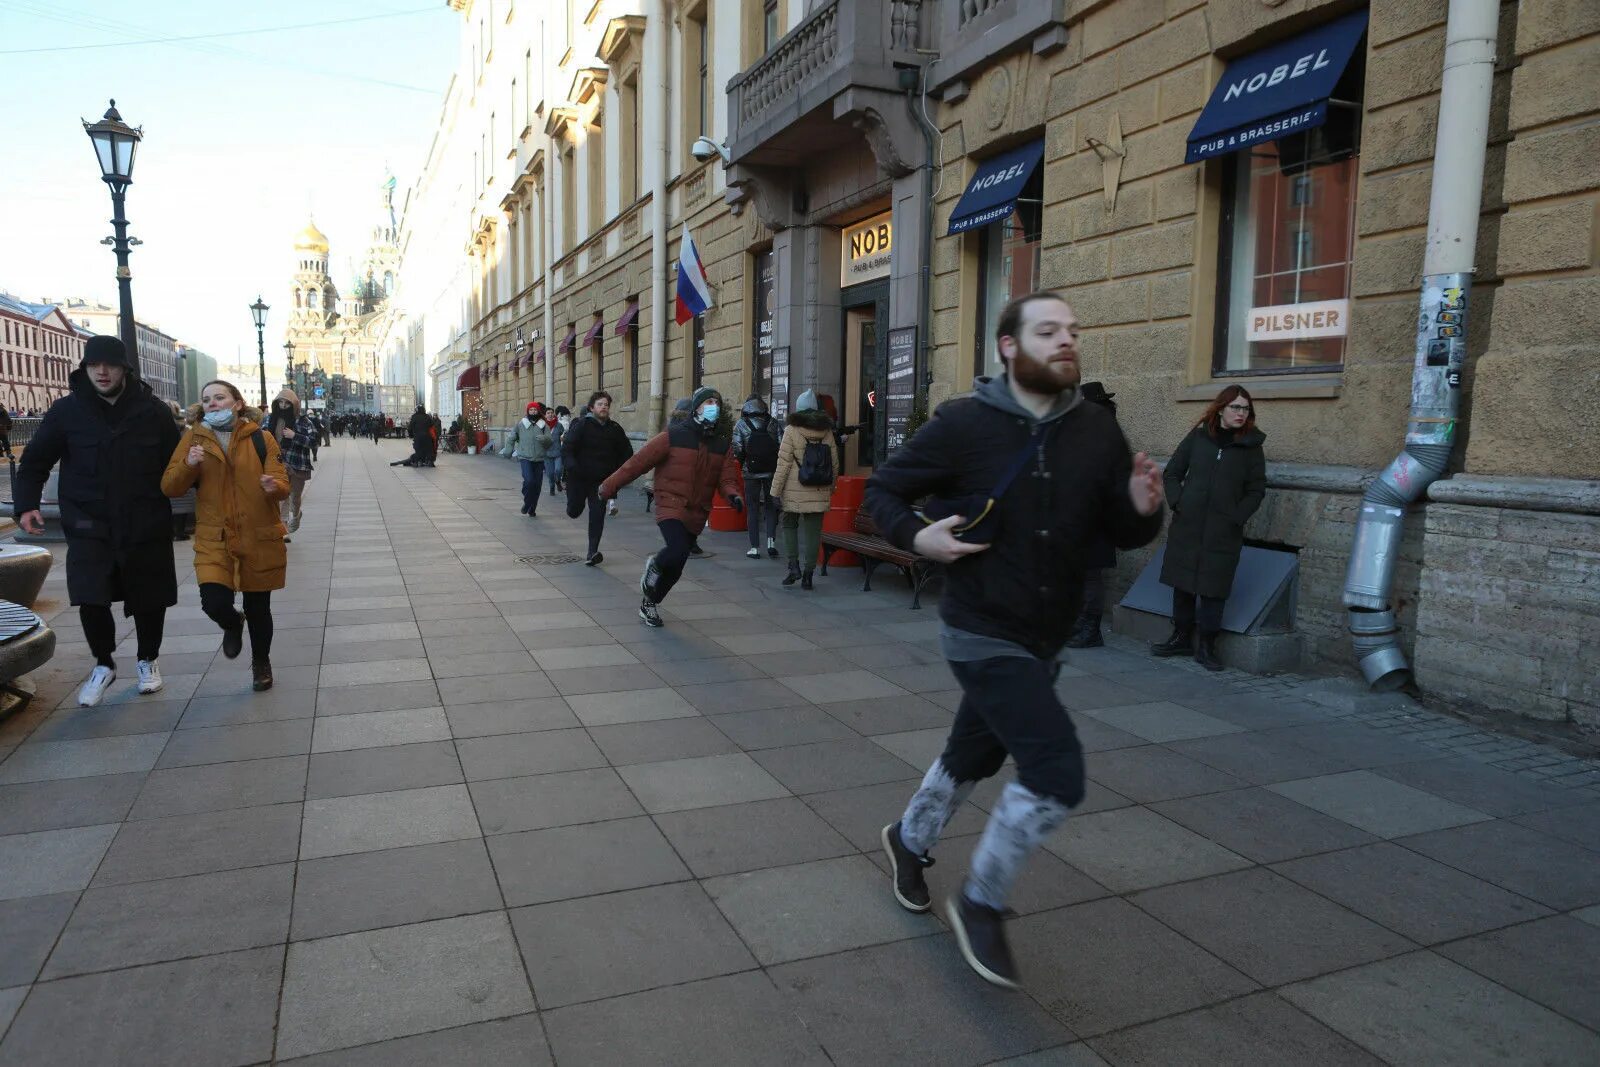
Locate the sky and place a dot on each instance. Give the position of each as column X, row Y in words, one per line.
column 244, row 137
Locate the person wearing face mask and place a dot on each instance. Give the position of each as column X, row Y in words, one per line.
column 296, row 435
column 1215, row 481
column 237, row 472
column 111, row 437
column 692, row 458
column 1015, row 482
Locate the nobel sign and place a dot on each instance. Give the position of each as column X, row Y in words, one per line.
column 1299, row 322
column 864, row 256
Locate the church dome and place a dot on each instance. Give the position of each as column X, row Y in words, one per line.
column 312, row 239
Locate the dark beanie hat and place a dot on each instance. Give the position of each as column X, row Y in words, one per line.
column 104, row 348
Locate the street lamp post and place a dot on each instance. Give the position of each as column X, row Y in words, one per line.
column 115, row 144
column 288, row 369
column 258, row 311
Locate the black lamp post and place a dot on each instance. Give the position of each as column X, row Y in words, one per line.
column 258, row 311
column 115, row 144
column 288, row 369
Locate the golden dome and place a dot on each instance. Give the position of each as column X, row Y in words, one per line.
column 312, row 239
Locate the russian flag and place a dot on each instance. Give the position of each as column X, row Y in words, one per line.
column 694, row 289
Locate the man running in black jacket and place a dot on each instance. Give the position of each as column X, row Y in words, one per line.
column 1059, row 476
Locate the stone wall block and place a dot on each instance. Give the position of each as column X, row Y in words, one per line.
column 1555, row 530
column 1546, row 311
column 1174, row 44
column 1076, row 264
column 1462, row 520
column 1154, row 347
column 1552, row 238
column 1185, row 91
column 1159, row 248
column 1404, row 71
column 1061, row 137
column 1177, row 193
column 1095, row 79
column 1136, row 108
column 1551, row 22
column 1171, row 295
column 1154, row 150
column 1401, row 18
column 1389, row 265
column 1514, row 380
column 1552, row 163
column 1113, row 303
column 1232, row 21
column 1118, row 22
column 1383, row 331
column 1394, row 201
column 1398, row 136
column 1135, row 207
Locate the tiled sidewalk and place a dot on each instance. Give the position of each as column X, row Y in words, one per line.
column 488, row 818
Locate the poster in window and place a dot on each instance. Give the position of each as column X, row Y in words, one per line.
column 901, row 387
column 779, row 404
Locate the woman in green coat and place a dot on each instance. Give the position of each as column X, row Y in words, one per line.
column 1215, row 481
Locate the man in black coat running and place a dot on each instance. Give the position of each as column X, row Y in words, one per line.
column 1027, row 477
column 113, row 439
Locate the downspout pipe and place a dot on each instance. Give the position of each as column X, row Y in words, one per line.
column 930, row 138
column 1448, row 264
column 547, row 238
column 660, row 20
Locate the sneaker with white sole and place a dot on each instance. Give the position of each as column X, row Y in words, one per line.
column 95, row 686
column 648, row 613
column 754, row 553
column 611, row 507
column 149, row 676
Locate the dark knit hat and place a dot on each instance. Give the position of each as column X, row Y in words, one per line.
column 104, row 348
column 701, row 395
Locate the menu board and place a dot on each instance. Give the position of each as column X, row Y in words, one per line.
column 779, row 404
column 901, row 387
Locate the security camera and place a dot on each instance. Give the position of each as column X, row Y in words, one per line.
column 705, row 149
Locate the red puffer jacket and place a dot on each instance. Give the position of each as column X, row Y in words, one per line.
column 690, row 465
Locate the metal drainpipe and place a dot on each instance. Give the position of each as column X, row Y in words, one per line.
column 930, row 137
column 547, row 238
column 1448, row 264
column 660, row 21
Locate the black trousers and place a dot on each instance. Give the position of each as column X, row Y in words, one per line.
column 1009, row 705
column 100, row 630
column 216, row 600
column 673, row 556
column 579, row 496
column 1209, row 616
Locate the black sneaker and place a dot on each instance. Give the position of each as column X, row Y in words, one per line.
column 648, row 613
column 905, row 866
column 980, row 931
column 233, row 642
column 595, row 560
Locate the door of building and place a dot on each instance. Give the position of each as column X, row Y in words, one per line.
column 861, row 373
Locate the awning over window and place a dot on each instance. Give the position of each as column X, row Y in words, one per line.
column 1277, row 91
column 594, row 332
column 992, row 194
column 468, row 380
column 566, row 342
column 629, row 317
column 538, row 357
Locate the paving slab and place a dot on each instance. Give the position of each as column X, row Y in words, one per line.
column 515, row 1042
column 393, row 887
column 1377, row 805
column 374, row 821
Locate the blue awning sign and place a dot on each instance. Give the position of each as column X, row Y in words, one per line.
column 993, row 191
column 1277, row 91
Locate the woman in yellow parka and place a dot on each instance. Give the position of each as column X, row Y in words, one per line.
column 239, row 479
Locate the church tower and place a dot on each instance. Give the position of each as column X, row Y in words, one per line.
column 316, row 298
column 381, row 266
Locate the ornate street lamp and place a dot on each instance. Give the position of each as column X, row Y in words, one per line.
column 258, row 311
column 115, row 144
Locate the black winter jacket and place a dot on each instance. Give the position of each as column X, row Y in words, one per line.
column 1027, row 587
column 591, row 450
column 1213, row 487
column 117, row 520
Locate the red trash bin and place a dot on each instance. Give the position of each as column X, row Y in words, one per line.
column 723, row 518
column 848, row 493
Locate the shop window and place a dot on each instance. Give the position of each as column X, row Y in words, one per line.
column 1287, row 246
column 1008, row 267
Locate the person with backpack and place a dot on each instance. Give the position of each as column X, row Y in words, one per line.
column 755, row 444
column 239, row 478
column 808, row 465
column 691, row 458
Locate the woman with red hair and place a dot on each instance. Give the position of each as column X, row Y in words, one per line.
column 1215, row 481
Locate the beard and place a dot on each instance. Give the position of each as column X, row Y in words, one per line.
column 1041, row 376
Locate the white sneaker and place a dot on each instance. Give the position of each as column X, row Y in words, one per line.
column 611, row 506
column 149, row 676
column 99, row 681
column 754, row 553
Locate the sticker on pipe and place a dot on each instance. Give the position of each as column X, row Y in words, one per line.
column 1299, row 322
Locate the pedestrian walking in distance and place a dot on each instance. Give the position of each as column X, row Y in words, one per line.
column 296, row 434
column 691, row 458
column 111, row 436
column 1215, row 480
column 531, row 443
column 238, row 474
column 808, row 466
column 593, row 447
column 1018, row 478
column 755, row 445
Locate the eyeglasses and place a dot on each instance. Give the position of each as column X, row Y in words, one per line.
column 1239, row 407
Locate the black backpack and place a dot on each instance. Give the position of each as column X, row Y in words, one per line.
column 816, row 464
column 760, row 451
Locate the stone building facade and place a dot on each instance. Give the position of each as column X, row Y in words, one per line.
column 39, row 348
column 158, row 350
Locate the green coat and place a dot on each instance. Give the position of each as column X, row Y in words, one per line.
column 1213, row 490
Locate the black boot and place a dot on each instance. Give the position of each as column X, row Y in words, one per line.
column 1086, row 634
column 805, row 581
column 1206, row 651
column 794, row 573
column 261, row 674
column 1181, row 643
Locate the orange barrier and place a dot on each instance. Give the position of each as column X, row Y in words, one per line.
column 723, row 518
column 848, row 492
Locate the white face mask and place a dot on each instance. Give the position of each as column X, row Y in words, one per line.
column 219, row 420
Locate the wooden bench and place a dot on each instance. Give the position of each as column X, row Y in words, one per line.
column 865, row 541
